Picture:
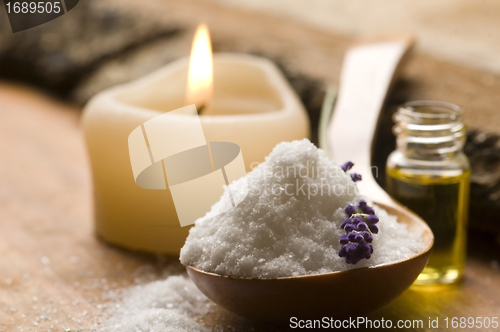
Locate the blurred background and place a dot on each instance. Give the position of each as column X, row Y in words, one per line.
column 464, row 32
column 456, row 59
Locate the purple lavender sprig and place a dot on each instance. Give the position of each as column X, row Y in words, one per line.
column 347, row 166
column 359, row 227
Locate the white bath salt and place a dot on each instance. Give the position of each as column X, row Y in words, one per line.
column 289, row 224
column 173, row 304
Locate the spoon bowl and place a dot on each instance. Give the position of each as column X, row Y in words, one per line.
column 338, row 294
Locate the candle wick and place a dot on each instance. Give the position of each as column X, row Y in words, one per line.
column 200, row 109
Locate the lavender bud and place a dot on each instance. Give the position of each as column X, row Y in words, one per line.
column 368, row 210
column 364, row 247
column 350, row 210
column 362, row 204
column 351, row 248
column 361, row 226
column 355, row 237
column 373, row 228
column 349, row 227
column 357, row 220
column 356, row 177
column 358, row 238
column 347, row 166
column 372, row 219
column 367, row 236
column 347, row 221
column 344, row 239
column 359, row 229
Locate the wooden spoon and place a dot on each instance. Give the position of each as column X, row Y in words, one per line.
column 337, row 294
column 367, row 74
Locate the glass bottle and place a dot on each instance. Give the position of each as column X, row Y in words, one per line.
column 429, row 173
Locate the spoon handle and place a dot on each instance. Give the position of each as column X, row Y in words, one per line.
column 368, row 72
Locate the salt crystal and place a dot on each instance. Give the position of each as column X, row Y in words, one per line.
column 289, row 224
column 168, row 305
column 45, row 260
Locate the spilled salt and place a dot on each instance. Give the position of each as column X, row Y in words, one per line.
column 289, row 224
column 173, row 304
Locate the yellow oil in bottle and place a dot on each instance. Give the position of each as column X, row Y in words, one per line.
column 441, row 199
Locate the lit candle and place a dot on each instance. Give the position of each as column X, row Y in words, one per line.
column 200, row 71
column 249, row 103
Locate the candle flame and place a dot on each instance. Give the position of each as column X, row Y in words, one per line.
column 200, row 73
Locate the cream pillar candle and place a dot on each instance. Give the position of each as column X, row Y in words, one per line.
column 252, row 106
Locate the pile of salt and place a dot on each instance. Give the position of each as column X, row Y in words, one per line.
column 173, row 304
column 289, row 224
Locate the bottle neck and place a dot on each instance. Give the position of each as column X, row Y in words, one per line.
column 429, row 131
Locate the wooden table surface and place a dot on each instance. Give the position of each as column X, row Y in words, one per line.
column 54, row 271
